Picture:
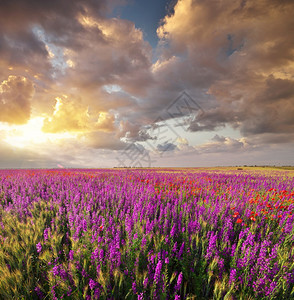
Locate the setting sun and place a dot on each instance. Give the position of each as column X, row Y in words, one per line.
column 31, row 134
column 180, row 83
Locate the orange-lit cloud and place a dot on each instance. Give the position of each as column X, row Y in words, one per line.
column 76, row 70
column 238, row 57
column 70, row 115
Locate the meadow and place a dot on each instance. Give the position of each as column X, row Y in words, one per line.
column 146, row 234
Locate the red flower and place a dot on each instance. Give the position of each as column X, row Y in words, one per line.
column 235, row 214
column 239, row 221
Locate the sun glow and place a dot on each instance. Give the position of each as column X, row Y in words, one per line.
column 31, row 134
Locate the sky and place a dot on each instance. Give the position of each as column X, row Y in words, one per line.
column 181, row 83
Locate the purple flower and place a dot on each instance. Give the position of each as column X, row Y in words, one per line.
column 69, row 291
column 84, row 273
column 175, row 247
column 233, row 250
column 144, row 241
column 46, row 231
column 179, row 281
column 63, row 274
column 71, row 254
column 140, row 296
column 84, row 225
column 181, row 250
column 92, row 284
column 134, row 287
column 39, row 247
column 157, row 272
column 55, row 270
column 101, row 254
column 97, row 293
column 173, row 231
column 95, row 254
column 39, row 292
column 232, row 276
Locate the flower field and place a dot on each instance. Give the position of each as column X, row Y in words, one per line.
column 146, row 234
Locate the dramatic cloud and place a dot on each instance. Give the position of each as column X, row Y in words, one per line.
column 15, row 100
column 244, row 52
column 72, row 115
column 70, row 72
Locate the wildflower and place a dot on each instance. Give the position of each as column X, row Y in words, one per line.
column 39, row 292
column 175, row 247
column 134, row 287
column 63, row 274
column 46, row 231
column 232, row 276
column 84, row 273
column 92, row 284
column 39, row 247
column 181, row 250
column 235, row 214
column 101, row 254
column 143, row 242
column 71, row 254
column 55, row 270
column 173, row 231
column 157, row 272
column 239, row 221
column 140, row 296
column 179, row 281
column 97, row 293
